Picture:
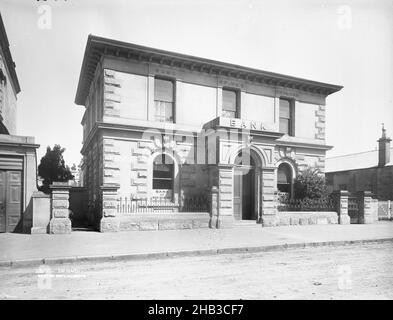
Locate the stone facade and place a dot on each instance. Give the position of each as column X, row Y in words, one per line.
column 122, row 137
column 9, row 86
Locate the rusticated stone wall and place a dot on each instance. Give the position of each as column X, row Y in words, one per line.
column 320, row 122
column 112, row 97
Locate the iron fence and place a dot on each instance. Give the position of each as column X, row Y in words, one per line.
column 353, row 209
column 161, row 204
column 306, row 205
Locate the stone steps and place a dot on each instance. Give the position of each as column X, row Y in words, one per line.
column 246, row 223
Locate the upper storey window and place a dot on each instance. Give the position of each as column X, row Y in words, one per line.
column 163, row 100
column 230, row 103
column 285, row 117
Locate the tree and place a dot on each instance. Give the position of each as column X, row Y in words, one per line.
column 310, row 184
column 52, row 168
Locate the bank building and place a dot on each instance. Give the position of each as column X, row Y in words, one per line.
column 170, row 139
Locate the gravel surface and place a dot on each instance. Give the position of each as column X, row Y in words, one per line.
column 342, row 272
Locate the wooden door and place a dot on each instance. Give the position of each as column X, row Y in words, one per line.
column 10, row 200
column 248, row 195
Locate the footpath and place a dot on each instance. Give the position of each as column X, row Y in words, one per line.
column 26, row 249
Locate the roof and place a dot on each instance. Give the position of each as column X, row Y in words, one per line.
column 96, row 47
column 7, row 56
column 361, row 160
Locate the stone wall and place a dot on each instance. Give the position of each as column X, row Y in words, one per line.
column 146, row 222
column 286, row 218
column 129, row 163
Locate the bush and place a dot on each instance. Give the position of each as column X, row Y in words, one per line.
column 310, row 184
column 52, row 168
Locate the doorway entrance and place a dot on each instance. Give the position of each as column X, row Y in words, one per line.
column 244, row 195
column 10, row 200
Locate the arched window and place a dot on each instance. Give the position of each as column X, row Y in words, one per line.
column 284, row 178
column 163, row 173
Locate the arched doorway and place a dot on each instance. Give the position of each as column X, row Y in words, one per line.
column 245, row 187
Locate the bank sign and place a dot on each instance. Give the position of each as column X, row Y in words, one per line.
column 244, row 124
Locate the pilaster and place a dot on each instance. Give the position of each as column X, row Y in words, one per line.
column 225, row 197
column 150, row 97
column 268, row 217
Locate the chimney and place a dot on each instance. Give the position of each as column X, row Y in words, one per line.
column 384, row 148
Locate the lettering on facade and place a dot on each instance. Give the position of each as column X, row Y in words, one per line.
column 245, row 124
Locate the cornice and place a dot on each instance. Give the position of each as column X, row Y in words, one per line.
column 97, row 47
column 303, row 145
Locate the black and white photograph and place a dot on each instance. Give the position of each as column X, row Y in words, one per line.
column 215, row 151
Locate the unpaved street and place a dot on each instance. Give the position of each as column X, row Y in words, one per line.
column 346, row 272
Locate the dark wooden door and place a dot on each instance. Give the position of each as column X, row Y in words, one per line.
column 248, row 195
column 243, row 194
column 10, row 200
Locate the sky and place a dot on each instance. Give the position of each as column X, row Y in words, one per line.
column 348, row 43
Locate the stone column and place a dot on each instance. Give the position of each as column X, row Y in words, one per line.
column 214, row 221
column 225, row 201
column 60, row 222
column 269, row 198
column 365, row 212
column 109, row 222
column 341, row 199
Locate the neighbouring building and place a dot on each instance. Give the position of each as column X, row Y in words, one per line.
column 364, row 171
column 17, row 153
column 165, row 125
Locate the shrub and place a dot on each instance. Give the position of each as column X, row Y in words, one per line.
column 310, row 184
column 52, row 168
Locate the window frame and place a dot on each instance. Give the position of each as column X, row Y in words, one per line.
column 173, row 81
column 287, row 168
column 172, row 172
column 291, row 119
column 237, row 102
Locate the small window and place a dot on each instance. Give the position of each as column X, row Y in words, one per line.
column 163, row 172
column 163, row 100
column 230, row 103
column 284, row 178
column 285, row 117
